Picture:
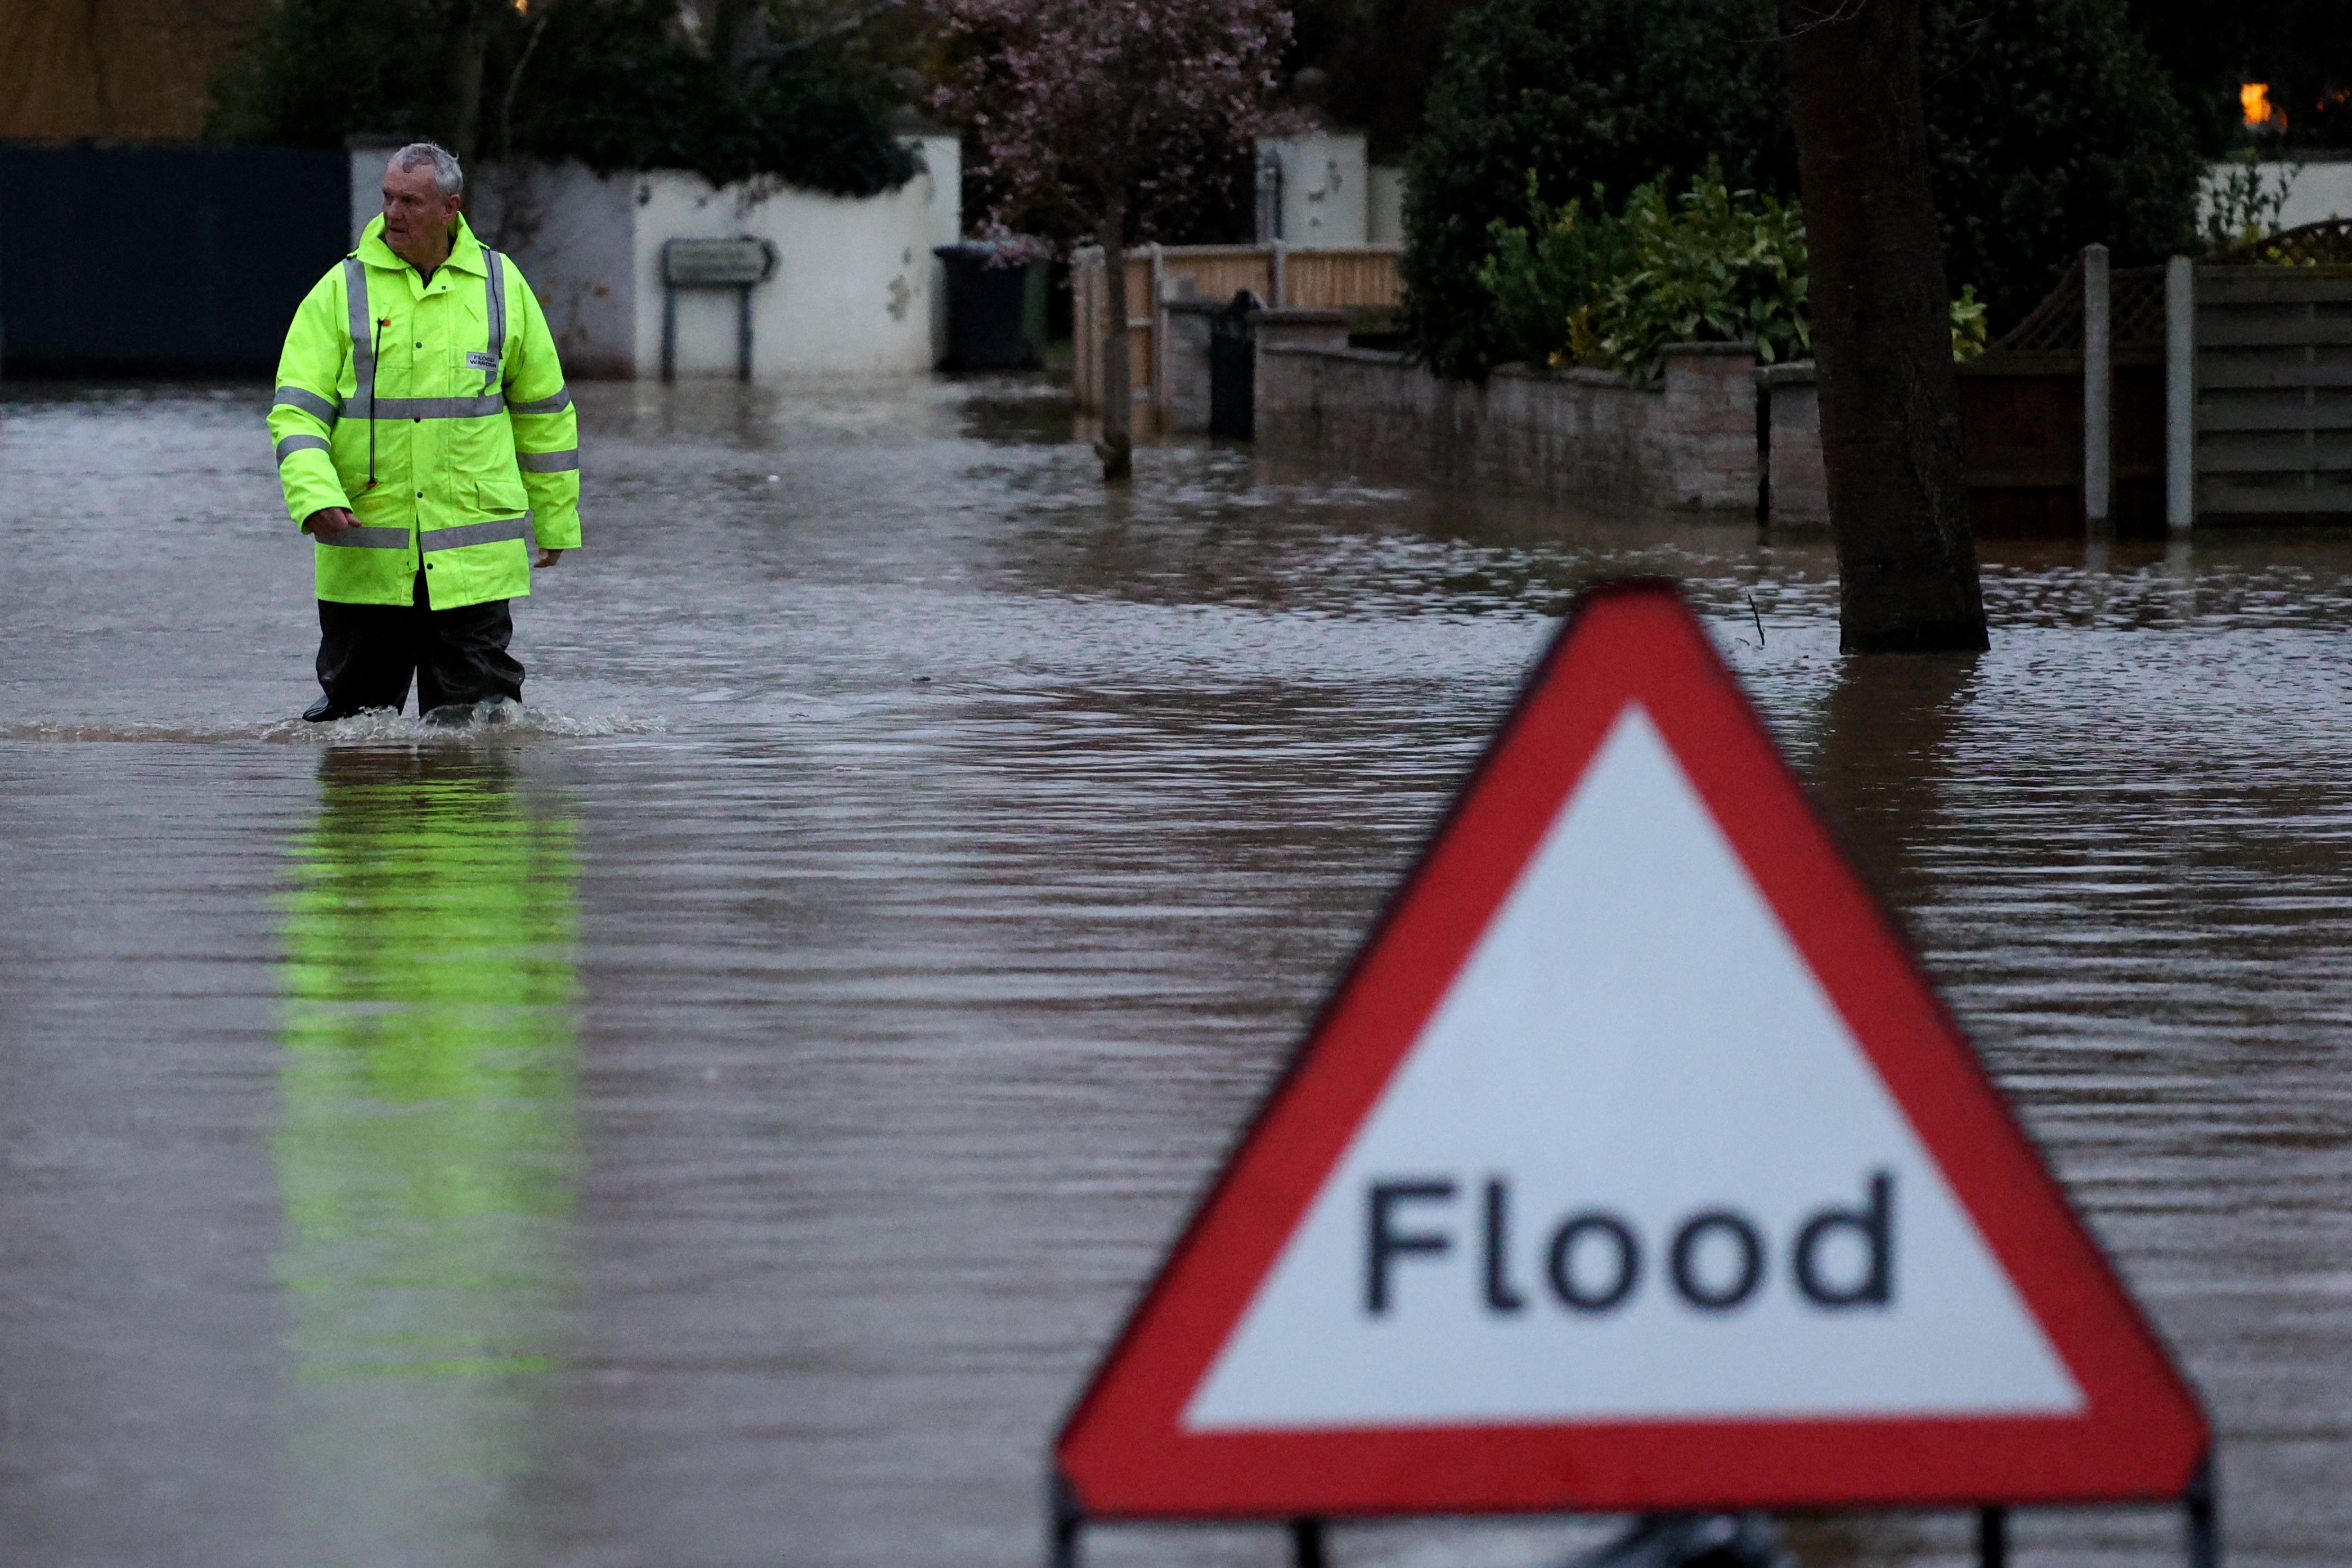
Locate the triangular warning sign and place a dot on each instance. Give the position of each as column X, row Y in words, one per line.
column 1633, row 1166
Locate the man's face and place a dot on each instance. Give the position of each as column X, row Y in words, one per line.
column 416, row 215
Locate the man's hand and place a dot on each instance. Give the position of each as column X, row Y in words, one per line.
column 327, row 522
column 546, row 558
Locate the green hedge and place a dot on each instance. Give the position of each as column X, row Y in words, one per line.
column 610, row 82
column 2050, row 125
column 1610, row 92
column 1611, row 290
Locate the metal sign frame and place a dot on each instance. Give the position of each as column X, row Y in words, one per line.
column 741, row 263
column 1123, row 1454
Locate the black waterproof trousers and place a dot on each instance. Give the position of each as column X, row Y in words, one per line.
column 368, row 651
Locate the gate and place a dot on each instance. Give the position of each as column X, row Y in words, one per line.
column 123, row 261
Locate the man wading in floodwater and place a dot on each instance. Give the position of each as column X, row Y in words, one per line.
column 424, row 433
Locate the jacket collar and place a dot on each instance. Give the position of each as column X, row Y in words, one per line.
column 465, row 250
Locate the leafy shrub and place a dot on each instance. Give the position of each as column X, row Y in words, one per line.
column 1970, row 328
column 1543, row 277
column 1584, row 93
column 1726, row 268
column 1712, row 265
column 2239, row 204
column 612, row 83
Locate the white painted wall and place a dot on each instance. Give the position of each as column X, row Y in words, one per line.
column 1384, row 222
column 856, row 289
column 1326, row 189
column 2315, row 191
column 573, row 235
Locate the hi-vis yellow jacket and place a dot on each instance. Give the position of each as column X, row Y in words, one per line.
column 436, row 411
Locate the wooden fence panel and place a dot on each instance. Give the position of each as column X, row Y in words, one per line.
column 1335, row 278
column 2273, row 391
column 1328, row 279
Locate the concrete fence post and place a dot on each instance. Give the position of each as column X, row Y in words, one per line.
column 1281, row 300
column 1160, row 333
column 2179, row 392
column 2098, row 385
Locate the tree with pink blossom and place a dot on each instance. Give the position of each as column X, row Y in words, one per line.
column 1104, row 114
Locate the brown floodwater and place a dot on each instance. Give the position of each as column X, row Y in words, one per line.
column 717, row 1120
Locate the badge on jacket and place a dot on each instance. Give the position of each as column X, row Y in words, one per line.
column 478, row 360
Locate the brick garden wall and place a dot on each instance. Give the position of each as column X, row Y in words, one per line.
column 1686, row 441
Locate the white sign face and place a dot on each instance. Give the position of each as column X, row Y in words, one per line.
column 1636, row 1166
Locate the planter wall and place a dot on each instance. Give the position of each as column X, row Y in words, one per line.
column 1686, row 441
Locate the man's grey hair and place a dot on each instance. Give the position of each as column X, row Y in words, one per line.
column 447, row 178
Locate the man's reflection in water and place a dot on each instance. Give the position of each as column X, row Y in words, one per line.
column 1879, row 773
column 429, row 1152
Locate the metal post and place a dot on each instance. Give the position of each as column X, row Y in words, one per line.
column 1068, row 1519
column 1160, row 332
column 669, row 332
column 1307, row 1544
column 2179, row 392
column 1281, row 299
column 743, row 333
column 2203, row 1505
column 2098, row 384
column 1993, row 1537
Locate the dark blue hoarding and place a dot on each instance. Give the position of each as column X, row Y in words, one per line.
column 161, row 260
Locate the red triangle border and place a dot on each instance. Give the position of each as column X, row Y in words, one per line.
column 1122, row 1454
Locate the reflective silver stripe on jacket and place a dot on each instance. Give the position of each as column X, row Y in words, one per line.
column 362, row 341
column 546, row 462
column 308, row 403
column 433, row 407
column 369, row 538
column 555, row 405
column 293, row 444
column 476, row 534
column 494, row 288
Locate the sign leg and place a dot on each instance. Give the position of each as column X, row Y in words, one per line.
column 1993, row 1537
column 669, row 334
column 2203, row 1506
column 1307, row 1544
column 1068, row 1519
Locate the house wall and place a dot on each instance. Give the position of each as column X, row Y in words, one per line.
column 856, row 290
column 1384, row 220
column 1324, row 190
column 2315, row 191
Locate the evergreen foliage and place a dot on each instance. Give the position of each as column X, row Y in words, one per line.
column 2051, row 125
column 612, row 83
column 1710, row 265
column 1714, row 266
column 1584, row 93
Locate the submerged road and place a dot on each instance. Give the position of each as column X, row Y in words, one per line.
column 718, row 1120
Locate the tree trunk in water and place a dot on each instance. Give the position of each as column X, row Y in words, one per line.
column 1882, row 329
column 470, row 40
column 1117, row 447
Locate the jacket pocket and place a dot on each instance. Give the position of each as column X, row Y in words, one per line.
column 500, row 495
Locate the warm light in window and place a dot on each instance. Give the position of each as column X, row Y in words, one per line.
column 2254, row 97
